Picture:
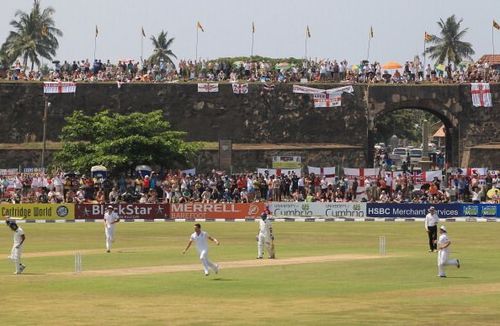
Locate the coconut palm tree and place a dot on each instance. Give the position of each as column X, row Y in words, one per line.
column 448, row 46
column 34, row 35
column 161, row 51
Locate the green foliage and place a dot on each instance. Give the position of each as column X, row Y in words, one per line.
column 120, row 142
column 162, row 51
column 34, row 36
column 448, row 46
column 406, row 124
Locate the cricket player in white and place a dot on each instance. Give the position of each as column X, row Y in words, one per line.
column 265, row 237
column 17, row 247
column 110, row 219
column 201, row 237
column 443, row 245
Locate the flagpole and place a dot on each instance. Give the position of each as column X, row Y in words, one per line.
column 142, row 46
column 95, row 45
column 251, row 53
column 493, row 38
column 196, row 52
column 425, row 41
column 368, row 52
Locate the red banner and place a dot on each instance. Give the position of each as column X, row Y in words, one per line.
column 125, row 211
column 217, row 210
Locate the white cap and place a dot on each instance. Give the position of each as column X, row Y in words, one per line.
column 442, row 227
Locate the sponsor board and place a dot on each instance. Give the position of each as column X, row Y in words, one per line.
column 481, row 210
column 412, row 210
column 125, row 211
column 216, row 210
column 38, row 211
column 306, row 209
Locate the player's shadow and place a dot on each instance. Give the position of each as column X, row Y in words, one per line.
column 464, row 277
column 220, row 279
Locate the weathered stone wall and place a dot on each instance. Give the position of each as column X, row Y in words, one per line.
column 279, row 116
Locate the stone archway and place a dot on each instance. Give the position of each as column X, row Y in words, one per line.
column 450, row 121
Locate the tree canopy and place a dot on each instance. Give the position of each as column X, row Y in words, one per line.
column 162, row 51
column 121, row 142
column 34, row 36
column 449, row 45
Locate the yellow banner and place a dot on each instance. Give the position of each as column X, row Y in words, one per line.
column 38, row 211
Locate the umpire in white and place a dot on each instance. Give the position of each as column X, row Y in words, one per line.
column 431, row 222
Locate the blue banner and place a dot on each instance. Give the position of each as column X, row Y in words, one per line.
column 481, row 210
column 412, row 210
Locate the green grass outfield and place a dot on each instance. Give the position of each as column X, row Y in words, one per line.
column 400, row 289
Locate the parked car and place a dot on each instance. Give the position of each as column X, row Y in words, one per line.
column 415, row 155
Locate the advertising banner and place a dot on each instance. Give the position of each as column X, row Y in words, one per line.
column 481, row 210
column 412, row 210
column 317, row 209
column 125, row 211
column 217, row 210
column 39, row 211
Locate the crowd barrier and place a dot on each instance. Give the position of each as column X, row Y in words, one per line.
column 356, row 210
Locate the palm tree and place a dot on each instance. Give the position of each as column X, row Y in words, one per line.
column 162, row 50
column 34, row 35
column 448, row 46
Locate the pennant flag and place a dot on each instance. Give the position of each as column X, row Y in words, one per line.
column 371, row 31
column 427, row 37
column 253, row 28
column 308, row 32
column 496, row 25
column 481, row 95
column 240, row 88
column 208, row 87
column 268, row 87
column 59, row 87
column 143, row 33
column 96, row 31
column 198, row 25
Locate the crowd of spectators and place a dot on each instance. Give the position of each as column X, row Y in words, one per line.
column 397, row 187
column 226, row 70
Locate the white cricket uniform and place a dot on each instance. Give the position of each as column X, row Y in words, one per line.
column 201, row 241
column 109, row 228
column 442, row 258
column 17, row 249
column 264, row 238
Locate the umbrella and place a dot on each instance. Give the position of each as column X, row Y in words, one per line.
column 355, row 67
column 465, row 63
column 238, row 63
column 440, row 67
column 283, row 65
column 492, row 192
column 392, row 65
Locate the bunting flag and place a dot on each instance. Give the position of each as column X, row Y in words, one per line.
column 143, row 33
column 96, row 31
column 481, row 95
column 208, row 87
column 308, row 32
column 198, row 25
column 268, row 87
column 253, row 28
column 278, row 172
column 240, row 88
column 371, row 31
column 59, row 87
column 427, row 37
column 496, row 25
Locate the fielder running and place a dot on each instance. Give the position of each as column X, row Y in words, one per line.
column 110, row 219
column 442, row 245
column 265, row 237
column 17, row 248
column 201, row 237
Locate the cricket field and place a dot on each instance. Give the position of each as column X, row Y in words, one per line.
column 325, row 274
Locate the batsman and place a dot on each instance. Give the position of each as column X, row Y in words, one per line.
column 265, row 237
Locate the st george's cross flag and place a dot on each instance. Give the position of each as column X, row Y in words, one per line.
column 208, row 87
column 240, row 88
column 59, row 87
column 481, row 95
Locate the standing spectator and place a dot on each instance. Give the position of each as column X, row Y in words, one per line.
column 431, row 222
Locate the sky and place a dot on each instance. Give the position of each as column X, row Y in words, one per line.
column 339, row 29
